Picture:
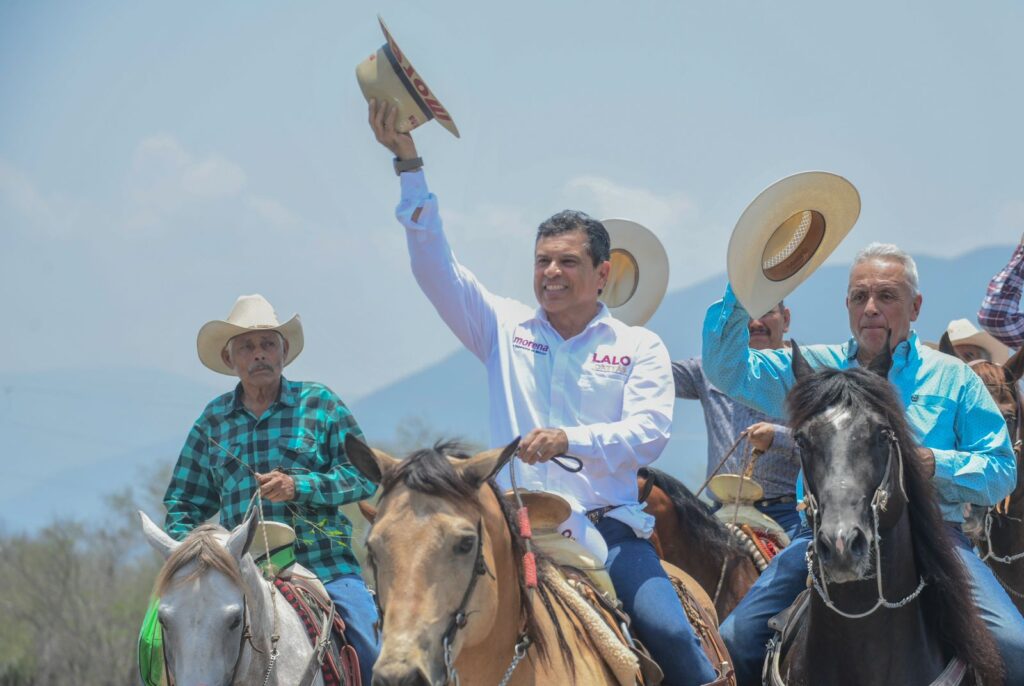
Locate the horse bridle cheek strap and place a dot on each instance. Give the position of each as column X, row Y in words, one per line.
column 460, row 617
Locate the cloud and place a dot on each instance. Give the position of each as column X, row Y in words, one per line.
column 37, row 211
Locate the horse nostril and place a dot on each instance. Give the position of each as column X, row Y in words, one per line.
column 858, row 544
column 825, row 549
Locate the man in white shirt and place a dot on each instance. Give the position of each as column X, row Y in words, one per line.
column 569, row 378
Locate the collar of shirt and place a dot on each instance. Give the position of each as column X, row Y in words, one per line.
column 906, row 352
column 287, row 395
column 603, row 316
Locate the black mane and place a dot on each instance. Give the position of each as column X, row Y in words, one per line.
column 695, row 516
column 946, row 604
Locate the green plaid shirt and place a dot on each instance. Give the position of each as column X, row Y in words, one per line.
column 303, row 433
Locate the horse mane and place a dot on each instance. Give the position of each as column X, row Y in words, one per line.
column 946, row 601
column 694, row 515
column 203, row 548
column 429, row 471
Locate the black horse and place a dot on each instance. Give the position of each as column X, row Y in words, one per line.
column 891, row 602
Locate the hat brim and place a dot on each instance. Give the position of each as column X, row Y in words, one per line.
column 830, row 195
column 983, row 339
column 214, row 335
column 388, row 75
column 641, row 245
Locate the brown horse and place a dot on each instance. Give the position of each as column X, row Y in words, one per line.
column 1000, row 534
column 446, row 560
column 689, row 536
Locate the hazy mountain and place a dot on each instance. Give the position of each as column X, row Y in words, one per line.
column 69, row 437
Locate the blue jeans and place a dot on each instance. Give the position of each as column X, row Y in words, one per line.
column 745, row 631
column 785, row 515
column 357, row 607
column 650, row 600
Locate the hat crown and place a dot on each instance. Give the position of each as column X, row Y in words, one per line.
column 961, row 328
column 253, row 312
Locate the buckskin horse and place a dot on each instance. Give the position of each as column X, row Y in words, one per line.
column 220, row 622
column 890, row 601
column 690, row 537
column 455, row 605
column 1000, row 533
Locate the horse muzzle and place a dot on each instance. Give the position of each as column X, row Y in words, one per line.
column 399, row 674
column 844, row 553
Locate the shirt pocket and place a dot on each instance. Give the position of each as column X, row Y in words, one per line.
column 298, row 451
column 601, row 397
column 932, row 419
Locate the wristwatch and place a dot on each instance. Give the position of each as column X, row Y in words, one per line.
column 407, row 165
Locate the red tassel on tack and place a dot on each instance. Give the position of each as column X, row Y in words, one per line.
column 524, row 523
column 530, row 570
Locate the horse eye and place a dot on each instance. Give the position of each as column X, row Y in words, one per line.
column 235, row 622
column 465, row 545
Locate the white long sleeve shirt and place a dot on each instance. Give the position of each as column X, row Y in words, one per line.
column 609, row 388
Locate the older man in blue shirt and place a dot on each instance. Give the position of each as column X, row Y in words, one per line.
column 963, row 436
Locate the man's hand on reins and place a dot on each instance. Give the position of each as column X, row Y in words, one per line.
column 276, row 486
column 761, row 436
column 540, row 445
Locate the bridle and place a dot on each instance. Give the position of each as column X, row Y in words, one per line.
column 879, row 503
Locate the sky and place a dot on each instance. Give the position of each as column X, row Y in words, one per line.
column 159, row 159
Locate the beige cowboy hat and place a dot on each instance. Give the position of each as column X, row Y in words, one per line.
column 786, row 233
column 963, row 332
column 251, row 312
column 387, row 75
column 639, row 273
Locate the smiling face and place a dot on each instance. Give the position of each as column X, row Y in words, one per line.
column 565, row 280
column 879, row 299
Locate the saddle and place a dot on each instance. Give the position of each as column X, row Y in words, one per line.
column 340, row 666
column 760, row 535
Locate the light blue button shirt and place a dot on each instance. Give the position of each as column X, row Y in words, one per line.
column 948, row 406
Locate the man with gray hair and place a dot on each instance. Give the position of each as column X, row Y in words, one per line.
column 963, row 436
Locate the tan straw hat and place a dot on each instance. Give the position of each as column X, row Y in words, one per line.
column 786, row 233
column 251, row 312
column 387, row 75
column 639, row 273
column 963, row 332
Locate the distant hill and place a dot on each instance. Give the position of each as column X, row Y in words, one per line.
column 69, row 437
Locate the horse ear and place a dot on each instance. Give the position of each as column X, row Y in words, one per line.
column 242, row 536
column 883, row 360
column 373, row 464
column 1015, row 365
column 946, row 346
column 801, row 368
column 161, row 542
column 482, row 466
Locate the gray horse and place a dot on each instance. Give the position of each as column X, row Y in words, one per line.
column 218, row 614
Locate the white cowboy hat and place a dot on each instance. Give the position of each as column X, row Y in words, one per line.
column 639, row 273
column 963, row 332
column 251, row 312
column 786, row 233
column 387, row 75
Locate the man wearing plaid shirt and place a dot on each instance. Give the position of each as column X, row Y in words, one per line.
column 1000, row 313
column 285, row 438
